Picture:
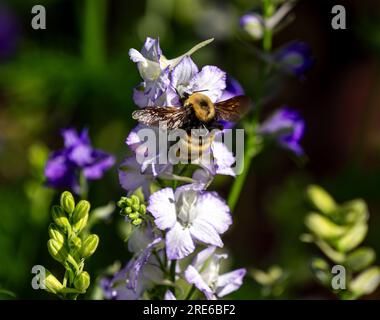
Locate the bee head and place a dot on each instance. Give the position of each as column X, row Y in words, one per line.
column 202, row 105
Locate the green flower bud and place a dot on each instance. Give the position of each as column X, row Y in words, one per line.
column 57, row 250
column 134, row 215
column 67, row 202
column 82, row 281
column 323, row 227
column 321, row 270
column 80, row 215
column 366, row 282
column 89, row 245
column 142, row 209
column 126, row 211
column 75, row 242
column 352, row 238
column 56, row 234
column 60, row 218
column 360, row 259
column 135, row 200
column 137, row 222
column 321, row 199
column 51, row 283
column 135, row 207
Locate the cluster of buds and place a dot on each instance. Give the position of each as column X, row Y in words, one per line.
column 133, row 209
column 70, row 244
column 338, row 230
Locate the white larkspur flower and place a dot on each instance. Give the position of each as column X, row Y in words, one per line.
column 187, row 216
column 203, row 273
column 154, row 68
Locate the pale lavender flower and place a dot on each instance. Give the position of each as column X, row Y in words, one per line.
column 187, row 216
column 64, row 167
column 204, row 271
column 154, row 69
column 139, row 275
column 287, row 127
column 133, row 175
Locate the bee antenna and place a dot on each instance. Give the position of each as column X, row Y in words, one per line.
column 200, row 90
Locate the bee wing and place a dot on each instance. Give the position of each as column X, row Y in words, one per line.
column 175, row 117
column 232, row 109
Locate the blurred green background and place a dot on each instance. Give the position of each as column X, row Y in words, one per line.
column 77, row 73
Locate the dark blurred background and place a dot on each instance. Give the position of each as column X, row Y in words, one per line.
column 77, row 73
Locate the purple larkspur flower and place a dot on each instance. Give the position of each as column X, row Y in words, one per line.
column 64, row 167
column 295, row 58
column 9, row 32
column 187, row 216
column 203, row 273
column 287, row 127
column 139, row 274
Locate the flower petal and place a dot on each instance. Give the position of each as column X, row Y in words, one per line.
column 179, row 243
column 151, row 49
column 102, row 162
column 202, row 257
column 233, row 89
column 131, row 178
column 139, row 262
column 230, row 282
column 183, row 73
column 210, row 78
column 214, row 210
column 204, row 232
column 224, row 159
column 192, row 276
column 136, row 56
column 162, row 207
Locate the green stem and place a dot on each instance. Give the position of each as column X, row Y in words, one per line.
column 267, row 37
column 83, row 186
column 93, row 32
column 252, row 146
column 191, row 292
column 250, row 151
column 172, row 272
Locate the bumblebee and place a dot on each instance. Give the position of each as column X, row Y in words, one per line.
column 197, row 112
